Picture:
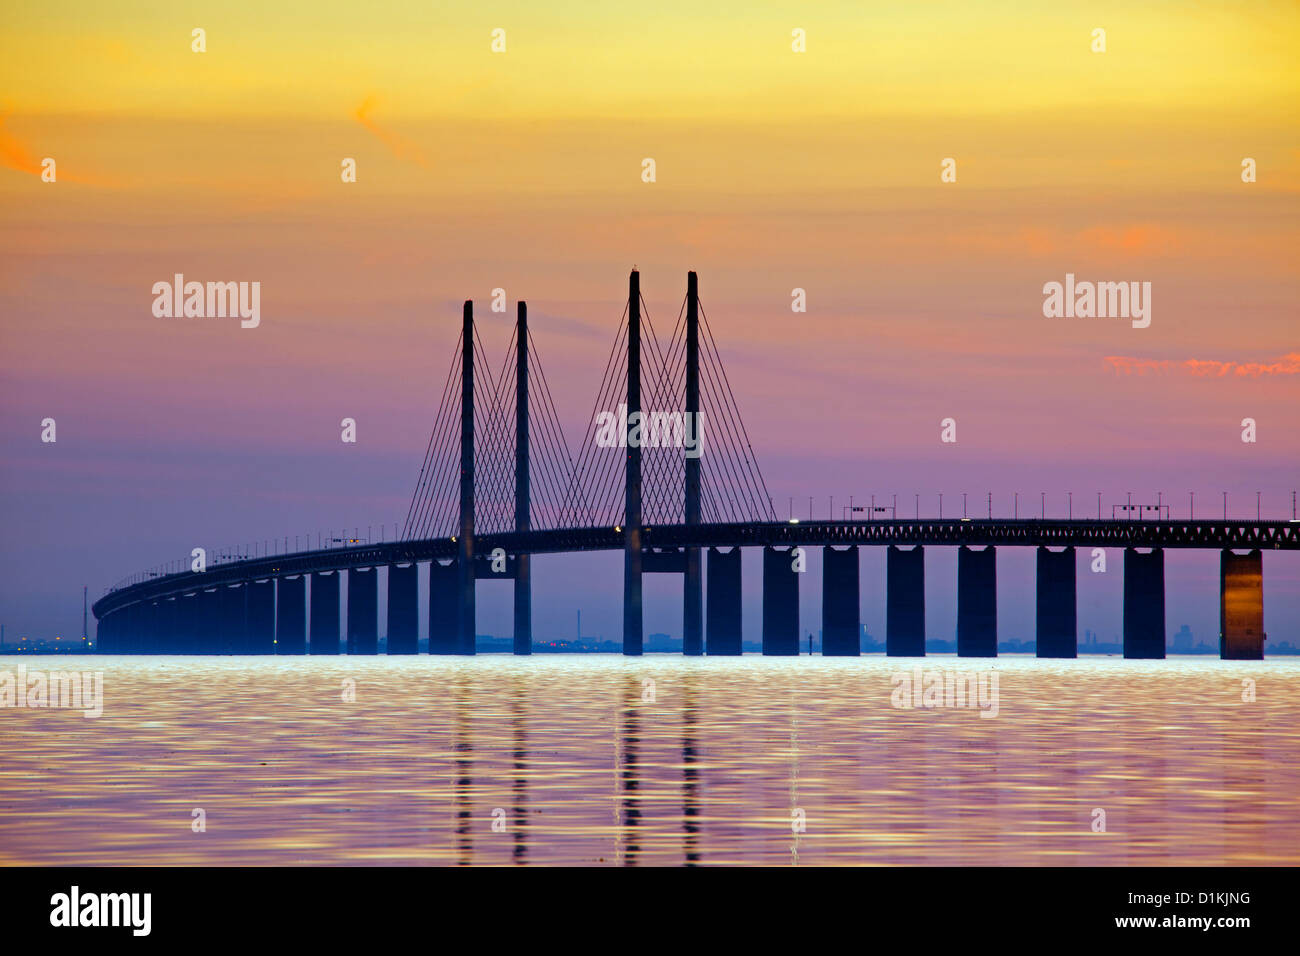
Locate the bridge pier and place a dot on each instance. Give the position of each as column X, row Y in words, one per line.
column 179, row 638
column 780, row 603
column 1241, row 606
column 125, row 642
column 841, row 603
column 905, row 602
column 103, row 634
column 130, row 623
column 131, row 638
column 233, row 635
column 977, row 602
column 119, row 628
column 325, row 612
column 131, row 630
column 209, row 622
column 149, row 628
column 1144, row 604
column 1057, row 620
column 723, row 621
column 117, row 632
column 443, row 597
column 165, row 632
column 403, row 609
column 139, row 626
column 260, row 625
column 291, row 615
column 363, row 611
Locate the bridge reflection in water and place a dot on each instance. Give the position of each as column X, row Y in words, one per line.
column 498, row 484
column 568, row 759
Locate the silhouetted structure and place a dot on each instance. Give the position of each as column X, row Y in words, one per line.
column 1241, row 606
column 977, row 603
column 905, row 602
column 1144, row 603
column 1057, row 617
column 483, row 485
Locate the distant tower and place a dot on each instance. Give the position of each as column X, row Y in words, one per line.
column 85, row 637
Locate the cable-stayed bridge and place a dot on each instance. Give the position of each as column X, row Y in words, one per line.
column 665, row 473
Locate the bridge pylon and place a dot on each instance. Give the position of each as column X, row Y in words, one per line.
column 632, row 618
column 465, row 629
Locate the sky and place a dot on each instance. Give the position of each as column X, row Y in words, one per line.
column 522, row 169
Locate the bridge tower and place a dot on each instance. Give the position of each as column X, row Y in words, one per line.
column 632, row 619
column 693, row 586
column 465, row 637
column 523, row 586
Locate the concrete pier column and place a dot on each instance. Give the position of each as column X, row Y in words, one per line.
column 165, row 640
column 905, row 602
column 187, row 623
column 722, row 624
column 233, row 637
column 632, row 617
column 363, row 611
column 159, row 638
column 841, row 603
column 181, row 639
column 119, row 624
column 780, row 603
column 121, row 628
column 261, row 617
column 291, row 615
column 403, row 609
column 151, row 628
column 133, row 635
column 208, row 629
column 325, row 612
column 443, row 592
column 1057, row 622
column 126, row 644
column 103, row 634
column 130, row 642
column 1241, row 606
column 1144, row 604
column 977, row 602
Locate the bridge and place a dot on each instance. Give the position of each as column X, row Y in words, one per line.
column 499, row 484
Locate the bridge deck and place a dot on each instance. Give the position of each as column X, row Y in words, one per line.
column 1025, row 532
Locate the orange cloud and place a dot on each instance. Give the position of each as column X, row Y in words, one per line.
column 15, row 154
column 1129, row 239
column 400, row 147
column 1288, row 364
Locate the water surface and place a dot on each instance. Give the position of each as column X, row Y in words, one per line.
column 598, row 759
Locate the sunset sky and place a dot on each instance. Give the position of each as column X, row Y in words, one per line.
column 776, row 170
